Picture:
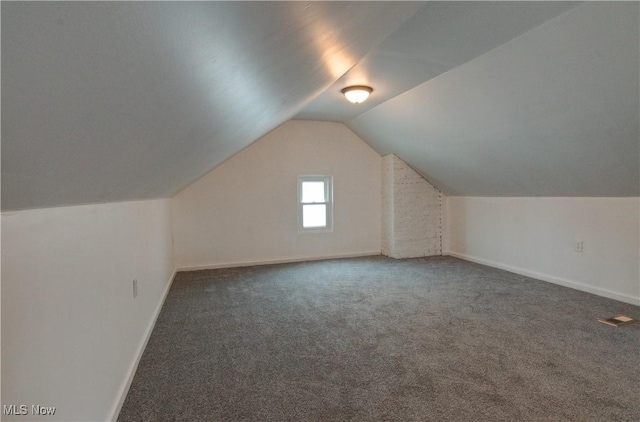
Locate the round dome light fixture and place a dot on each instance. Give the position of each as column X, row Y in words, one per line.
column 357, row 93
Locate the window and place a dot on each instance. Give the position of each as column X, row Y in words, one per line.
column 315, row 203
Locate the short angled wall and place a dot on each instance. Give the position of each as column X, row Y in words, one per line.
column 133, row 367
column 537, row 237
column 72, row 331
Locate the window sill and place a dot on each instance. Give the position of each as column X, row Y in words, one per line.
column 314, row 231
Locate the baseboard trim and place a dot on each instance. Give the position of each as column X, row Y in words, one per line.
column 622, row 297
column 279, row 260
column 124, row 389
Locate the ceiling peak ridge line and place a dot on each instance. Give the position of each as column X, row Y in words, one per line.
column 436, row 62
column 578, row 4
column 334, row 88
column 558, row 98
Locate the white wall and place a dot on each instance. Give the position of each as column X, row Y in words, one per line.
column 71, row 330
column 537, row 236
column 245, row 211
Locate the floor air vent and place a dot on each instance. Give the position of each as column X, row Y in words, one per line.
column 618, row 321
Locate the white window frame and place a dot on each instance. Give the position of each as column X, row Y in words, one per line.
column 328, row 193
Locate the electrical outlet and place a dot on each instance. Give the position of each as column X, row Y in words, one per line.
column 579, row 246
column 135, row 288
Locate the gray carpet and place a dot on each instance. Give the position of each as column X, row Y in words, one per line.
column 377, row 339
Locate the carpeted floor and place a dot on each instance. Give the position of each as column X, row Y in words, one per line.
column 377, row 339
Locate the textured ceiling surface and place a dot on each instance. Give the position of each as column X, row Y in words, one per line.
column 115, row 101
column 554, row 112
column 439, row 37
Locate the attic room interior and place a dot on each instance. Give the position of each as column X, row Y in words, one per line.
column 198, row 225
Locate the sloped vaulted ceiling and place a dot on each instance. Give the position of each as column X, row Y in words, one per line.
column 112, row 101
column 553, row 112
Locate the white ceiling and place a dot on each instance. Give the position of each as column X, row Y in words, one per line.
column 554, row 112
column 439, row 37
column 113, row 101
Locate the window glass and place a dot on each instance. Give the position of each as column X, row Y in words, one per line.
column 314, row 215
column 313, row 192
column 315, row 204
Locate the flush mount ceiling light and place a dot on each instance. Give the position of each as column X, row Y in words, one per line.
column 357, row 94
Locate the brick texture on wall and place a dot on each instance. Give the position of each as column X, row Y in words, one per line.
column 411, row 212
column 387, row 204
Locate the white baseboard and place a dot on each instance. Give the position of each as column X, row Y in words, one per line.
column 279, row 260
column 622, row 297
column 126, row 384
column 528, row 273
